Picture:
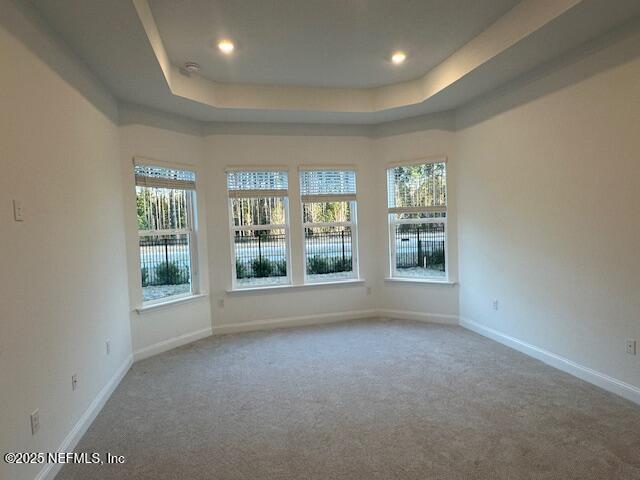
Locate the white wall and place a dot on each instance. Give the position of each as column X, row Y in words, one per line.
column 549, row 213
column 153, row 327
column 63, row 289
column 149, row 135
column 234, row 150
column 231, row 311
column 435, row 302
column 522, row 166
column 543, row 213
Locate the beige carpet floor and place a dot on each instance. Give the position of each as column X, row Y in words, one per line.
column 361, row 400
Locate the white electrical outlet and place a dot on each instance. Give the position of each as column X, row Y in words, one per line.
column 631, row 347
column 107, row 345
column 35, row 421
column 74, row 381
column 494, row 304
column 18, row 214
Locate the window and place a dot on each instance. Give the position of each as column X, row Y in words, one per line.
column 417, row 201
column 165, row 200
column 329, row 222
column 259, row 217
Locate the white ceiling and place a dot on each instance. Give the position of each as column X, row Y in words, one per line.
column 320, row 43
column 131, row 53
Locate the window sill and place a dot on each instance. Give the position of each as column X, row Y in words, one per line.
column 419, row 281
column 288, row 288
column 169, row 303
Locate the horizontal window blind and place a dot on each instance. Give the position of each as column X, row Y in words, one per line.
column 417, row 188
column 163, row 177
column 327, row 185
column 251, row 184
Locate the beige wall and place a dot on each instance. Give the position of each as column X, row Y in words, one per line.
column 63, row 286
column 549, row 212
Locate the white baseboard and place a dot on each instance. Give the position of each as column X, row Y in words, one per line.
column 418, row 316
column 293, row 321
column 594, row 377
column 599, row 379
column 587, row 374
column 73, row 437
column 170, row 344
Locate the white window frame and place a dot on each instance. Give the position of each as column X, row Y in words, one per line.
column 352, row 224
column 393, row 222
column 284, row 194
column 192, row 233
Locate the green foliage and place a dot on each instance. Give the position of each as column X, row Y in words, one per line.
column 168, row 273
column 261, row 267
column 317, row 265
column 342, row 265
column 161, row 208
column 436, row 258
column 327, row 212
column 258, row 211
column 281, row 268
column 241, row 269
column 144, row 274
column 143, row 224
column 420, row 185
column 405, row 228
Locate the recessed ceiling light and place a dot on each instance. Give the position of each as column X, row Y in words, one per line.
column 192, row 67
column 398, row 57
column 226, row 46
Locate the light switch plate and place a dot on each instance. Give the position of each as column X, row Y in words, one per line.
column 35, row 421
column 18, row 214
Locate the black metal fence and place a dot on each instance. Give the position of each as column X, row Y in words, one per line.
column 420, row 245
column 263, row 253
column 260, row 254
column 165, row 260
column 328, row 251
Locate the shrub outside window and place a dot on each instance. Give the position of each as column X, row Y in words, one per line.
column 259, row 225
column 165, row 199
column 329, row 221
column 417, row 208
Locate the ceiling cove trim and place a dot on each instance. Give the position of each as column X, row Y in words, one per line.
column 616, row 47
column 521, row 21
column 132, row 114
